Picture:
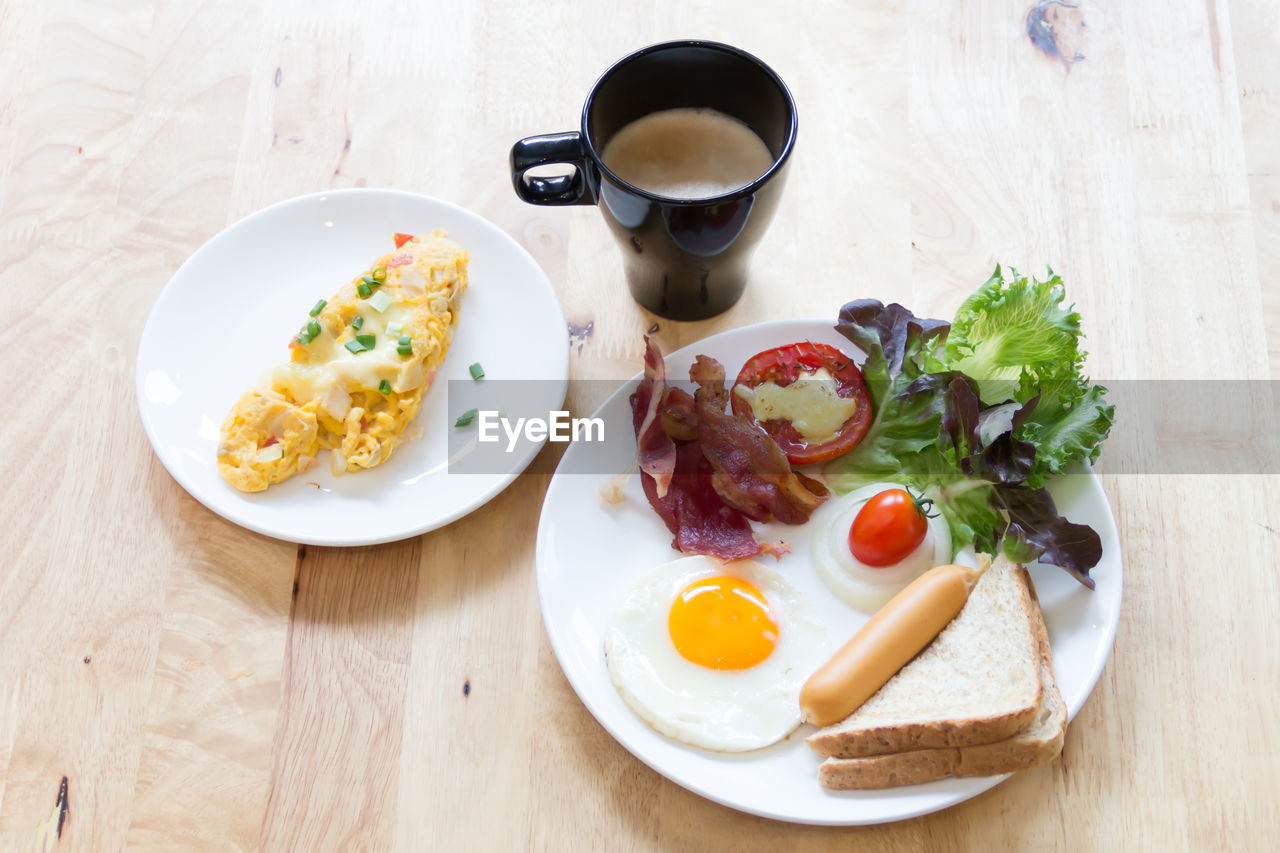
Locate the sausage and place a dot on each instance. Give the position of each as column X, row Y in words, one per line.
column 894, row 635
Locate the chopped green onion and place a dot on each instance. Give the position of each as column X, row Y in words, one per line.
column 357, row 323
column 466, row 417
column 380, row 301
column 379, row 275
column 477, row 372
column 318, row 307
column 371, row 281
column 309, row 332
column 385, row 386
column 355, row 347
column 395, row 328
column 405, row 345
column 363, row 290
column 369, row 341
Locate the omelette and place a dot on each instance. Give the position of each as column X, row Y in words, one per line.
column 357, row 370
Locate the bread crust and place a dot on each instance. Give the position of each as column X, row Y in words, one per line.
column 943, row 734
column 938, row 734
column 926, row 765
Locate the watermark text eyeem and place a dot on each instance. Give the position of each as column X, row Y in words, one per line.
column 560, row 426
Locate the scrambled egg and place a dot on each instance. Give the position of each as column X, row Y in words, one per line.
column 357, row 373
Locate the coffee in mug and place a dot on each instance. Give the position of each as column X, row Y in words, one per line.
column 686, row 224
column 687, row 152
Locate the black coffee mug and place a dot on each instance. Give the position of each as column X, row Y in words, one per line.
column 685, row 259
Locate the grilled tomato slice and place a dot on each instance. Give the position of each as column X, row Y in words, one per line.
column 809, row 397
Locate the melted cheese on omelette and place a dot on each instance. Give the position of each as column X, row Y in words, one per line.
column 355, row 385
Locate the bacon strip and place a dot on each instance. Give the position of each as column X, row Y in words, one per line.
column 656, row 450
column 701, row 522
column 706, row 472
column 679, row 415
column 752, row 474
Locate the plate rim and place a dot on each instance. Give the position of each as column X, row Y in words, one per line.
column 246, row 221
column 982, row 784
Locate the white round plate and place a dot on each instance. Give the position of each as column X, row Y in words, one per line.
column 590, row 553
column 230, row 310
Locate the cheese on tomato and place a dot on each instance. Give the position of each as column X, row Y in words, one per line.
column 811, row 403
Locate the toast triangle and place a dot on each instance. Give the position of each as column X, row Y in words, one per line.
column 1039, row 742
column 978, row 682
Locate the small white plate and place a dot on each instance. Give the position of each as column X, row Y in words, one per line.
column 229, row 311
column 590, row 553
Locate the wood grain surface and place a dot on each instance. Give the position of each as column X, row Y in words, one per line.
column 170, row 681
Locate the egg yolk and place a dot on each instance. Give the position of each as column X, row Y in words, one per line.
column 722, row 623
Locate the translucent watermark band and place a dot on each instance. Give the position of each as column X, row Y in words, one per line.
column 1229, row 427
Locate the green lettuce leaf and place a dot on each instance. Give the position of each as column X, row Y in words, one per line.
column 907, row 402
column 979, row 412
column 1072, row 432
column 966, row 505
column 1018, row 341
column 1013, row 336
column 965, row 502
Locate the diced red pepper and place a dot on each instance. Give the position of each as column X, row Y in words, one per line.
column 401, row 239
column 270, row 441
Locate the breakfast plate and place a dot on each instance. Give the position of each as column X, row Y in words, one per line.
column 228, row 312
column 590, row 552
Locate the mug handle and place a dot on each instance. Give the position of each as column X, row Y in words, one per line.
column 551, row 148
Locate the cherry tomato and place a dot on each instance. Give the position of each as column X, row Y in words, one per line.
column 888, row 527
column 401, row 239
column 783, row 366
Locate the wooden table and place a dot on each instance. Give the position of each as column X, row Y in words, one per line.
column 186, row 683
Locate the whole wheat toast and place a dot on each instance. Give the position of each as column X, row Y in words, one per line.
column 1039, row 742
column 978, row 682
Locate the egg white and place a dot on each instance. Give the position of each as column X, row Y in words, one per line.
column 728, row 711
column 858, row 585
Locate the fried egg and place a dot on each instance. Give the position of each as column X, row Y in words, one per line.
column 855, row 583
column 714, row 654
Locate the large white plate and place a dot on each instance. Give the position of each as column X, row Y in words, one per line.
column 590, row 553
column 229, row 311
